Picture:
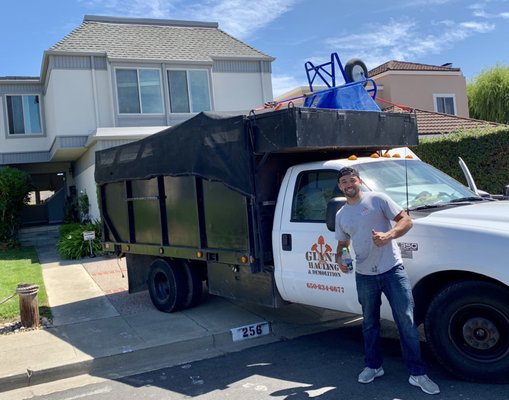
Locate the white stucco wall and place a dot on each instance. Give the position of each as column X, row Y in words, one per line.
column 84, row 169
column 240, row 91
column 69, row 103
column 104, row 98
column 85, row 183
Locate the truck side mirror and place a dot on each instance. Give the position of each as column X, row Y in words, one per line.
column 333, row 206
column 505, row 192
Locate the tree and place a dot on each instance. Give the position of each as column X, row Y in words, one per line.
column 14, row 189
column 488, row 95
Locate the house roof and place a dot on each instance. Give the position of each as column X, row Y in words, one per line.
column 394, row 65
column 154, row 39
column 434, row 123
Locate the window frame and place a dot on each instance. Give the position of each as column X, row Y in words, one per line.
column 437, row 96
column 302, row 216
column 140, row 104
column 6, row 111
column 189, row 93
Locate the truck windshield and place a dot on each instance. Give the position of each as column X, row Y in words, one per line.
column 427, row 185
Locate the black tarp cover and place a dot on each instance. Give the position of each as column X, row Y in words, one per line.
column 221, row 147
column 212, row 146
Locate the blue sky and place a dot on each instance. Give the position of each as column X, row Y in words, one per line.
column 472, row 35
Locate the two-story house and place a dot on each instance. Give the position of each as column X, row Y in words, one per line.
column 435, row 88
column 114, row 80
column 436, row 93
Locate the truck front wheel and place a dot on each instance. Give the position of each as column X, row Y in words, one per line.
column 167, row 286
column 467, row 328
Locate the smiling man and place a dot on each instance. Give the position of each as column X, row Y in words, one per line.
column 371, row 221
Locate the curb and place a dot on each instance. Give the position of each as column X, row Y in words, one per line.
column 137, row 361
column 151, row 358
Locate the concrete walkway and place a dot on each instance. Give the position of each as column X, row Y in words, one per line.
column 101, row 330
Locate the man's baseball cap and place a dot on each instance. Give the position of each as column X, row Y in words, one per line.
column 347, row 171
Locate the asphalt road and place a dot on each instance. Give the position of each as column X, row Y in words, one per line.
column 322, row 366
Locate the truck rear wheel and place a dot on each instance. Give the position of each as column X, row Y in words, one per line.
column 167, row 286
column 467, row 327
column 194, row 284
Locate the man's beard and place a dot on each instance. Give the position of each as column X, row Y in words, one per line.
column 351, row 193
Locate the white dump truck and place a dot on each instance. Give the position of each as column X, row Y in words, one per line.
column 246, row 204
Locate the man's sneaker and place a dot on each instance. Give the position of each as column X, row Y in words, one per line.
column 369, row 374
column 426, row 384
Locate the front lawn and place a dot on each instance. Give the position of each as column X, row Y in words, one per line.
column 20, row 266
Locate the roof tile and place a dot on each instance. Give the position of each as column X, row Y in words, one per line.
column 434, row 123
column 394, row 65
column 155, row 40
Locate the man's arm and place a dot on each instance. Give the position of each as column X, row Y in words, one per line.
column 403, row 225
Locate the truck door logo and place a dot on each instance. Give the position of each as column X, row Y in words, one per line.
column 407, row 249
column 321, row 259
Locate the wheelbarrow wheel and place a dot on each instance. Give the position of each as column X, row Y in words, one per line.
column 355, row 70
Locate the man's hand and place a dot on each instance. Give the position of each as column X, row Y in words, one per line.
column 380, row 238
column 403, row 225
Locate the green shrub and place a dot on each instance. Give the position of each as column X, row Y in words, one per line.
column 485, row 151
column 71, row 244
column 14, row 189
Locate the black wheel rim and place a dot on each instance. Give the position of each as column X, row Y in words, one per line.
column 161, row 286
column 481, row 332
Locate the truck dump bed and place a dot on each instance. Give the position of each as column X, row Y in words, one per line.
column 205, row 191
column 221, row 147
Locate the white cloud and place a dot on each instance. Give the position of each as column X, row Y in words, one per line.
column 236, row 17
column 284, row 83
column 405, row 40
column 480, row 12
column 134, row 8
column 239, row 18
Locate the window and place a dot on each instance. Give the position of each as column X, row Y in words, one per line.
column 445, row 103
column 24, row 115
column 139, row 91
column 313, row 190
column 189, row 91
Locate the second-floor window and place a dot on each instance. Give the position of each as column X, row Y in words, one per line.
column 189, row 91
column 24, row 115
column 445, row 103
column 139, row 91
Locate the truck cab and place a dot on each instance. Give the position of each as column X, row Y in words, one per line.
column 456, row 254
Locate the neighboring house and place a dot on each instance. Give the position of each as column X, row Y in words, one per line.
column 111, row 81
column 435, row 88
column 436, row 94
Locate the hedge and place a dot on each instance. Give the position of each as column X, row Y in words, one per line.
column 485, row 151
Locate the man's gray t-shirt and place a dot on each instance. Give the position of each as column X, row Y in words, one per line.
column 356, row 222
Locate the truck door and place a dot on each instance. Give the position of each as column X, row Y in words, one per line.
column 307, row 272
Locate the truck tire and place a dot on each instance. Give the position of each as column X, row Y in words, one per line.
column 467, row 328
column 194, row 285
column 355, row 70
column 167, row 285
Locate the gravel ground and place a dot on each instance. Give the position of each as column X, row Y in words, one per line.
column 9, row 328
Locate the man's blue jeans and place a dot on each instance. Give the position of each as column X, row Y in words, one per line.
column 396, row 287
